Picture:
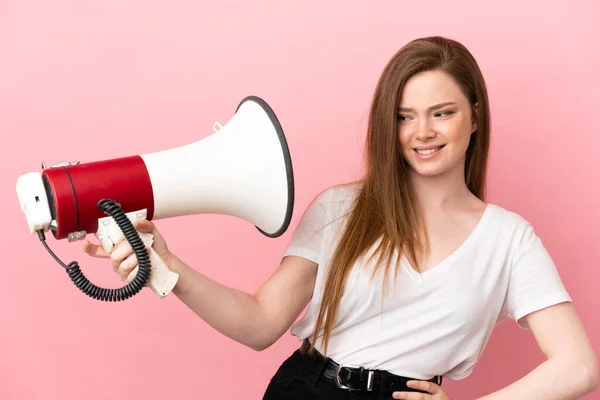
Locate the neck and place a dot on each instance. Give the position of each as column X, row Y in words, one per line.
column 447, row 189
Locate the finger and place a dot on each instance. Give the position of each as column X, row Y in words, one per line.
column 135, row 269
column 131, row 275
column 411, row 396
column 424, row 386
column 120, row 252
column 144, row 225
column 128, row 268
column 128, row 265
column 94, row 250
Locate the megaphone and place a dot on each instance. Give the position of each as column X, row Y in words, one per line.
column 243, row 169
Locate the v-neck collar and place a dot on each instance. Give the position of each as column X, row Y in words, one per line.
column 446, row 262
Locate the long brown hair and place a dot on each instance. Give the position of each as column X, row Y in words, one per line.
column 385, row 207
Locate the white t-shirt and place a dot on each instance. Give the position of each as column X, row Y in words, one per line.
column 437, row 322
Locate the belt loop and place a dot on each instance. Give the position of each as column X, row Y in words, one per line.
column 383, row 384
column 320, row 367
column 319, row 371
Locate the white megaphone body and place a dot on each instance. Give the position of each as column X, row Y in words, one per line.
column 243, row 169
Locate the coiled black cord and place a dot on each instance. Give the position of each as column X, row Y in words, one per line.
column 113, row 209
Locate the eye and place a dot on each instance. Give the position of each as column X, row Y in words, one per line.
column 402, row 118
column 444, row 113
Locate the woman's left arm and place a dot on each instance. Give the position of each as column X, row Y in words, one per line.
column 571, row 368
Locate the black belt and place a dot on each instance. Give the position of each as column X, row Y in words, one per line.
column 358, row 378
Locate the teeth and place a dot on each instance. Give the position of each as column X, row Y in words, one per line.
column 429, row 151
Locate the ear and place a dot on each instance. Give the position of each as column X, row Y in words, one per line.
column 474, row 118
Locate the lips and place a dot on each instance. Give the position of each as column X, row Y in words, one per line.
column 428, row 150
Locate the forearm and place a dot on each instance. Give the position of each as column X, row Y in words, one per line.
column 554, row 379
column 232, row 312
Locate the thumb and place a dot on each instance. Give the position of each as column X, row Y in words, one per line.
column 143, row 225
column 160, row 245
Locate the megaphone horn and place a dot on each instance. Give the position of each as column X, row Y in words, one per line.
column 244, row 169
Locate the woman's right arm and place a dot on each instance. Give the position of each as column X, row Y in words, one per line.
column 256, row 320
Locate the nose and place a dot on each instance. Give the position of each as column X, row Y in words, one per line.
column 424, row 130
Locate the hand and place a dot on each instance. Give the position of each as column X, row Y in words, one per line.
column 123, row 259
column 434, row 392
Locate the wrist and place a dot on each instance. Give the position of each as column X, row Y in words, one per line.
column 179, row 267
column 173, row 262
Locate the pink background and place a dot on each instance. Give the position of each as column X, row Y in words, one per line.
column 103, row 77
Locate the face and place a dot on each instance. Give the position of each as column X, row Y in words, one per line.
column 435, row 124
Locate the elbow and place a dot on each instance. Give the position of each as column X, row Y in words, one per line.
column 592, row 377
column 257, row 346
column 262, row 343
column 260, row 346
column 589, row 376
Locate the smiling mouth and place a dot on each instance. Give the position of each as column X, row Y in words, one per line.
column 426, row 152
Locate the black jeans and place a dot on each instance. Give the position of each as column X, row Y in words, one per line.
column 300, row 377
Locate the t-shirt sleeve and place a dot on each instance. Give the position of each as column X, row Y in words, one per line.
column 306, row 241
column 534, row 281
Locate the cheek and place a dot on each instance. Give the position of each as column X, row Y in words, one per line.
column 458, row 134
column 404, row 136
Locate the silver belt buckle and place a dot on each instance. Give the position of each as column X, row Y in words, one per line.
column 352, row 367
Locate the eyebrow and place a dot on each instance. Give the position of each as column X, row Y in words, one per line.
column 434, row 107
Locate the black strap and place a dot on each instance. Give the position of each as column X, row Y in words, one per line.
column 357, row 378
column 354, row 378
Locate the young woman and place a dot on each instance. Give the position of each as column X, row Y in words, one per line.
column 408, row 270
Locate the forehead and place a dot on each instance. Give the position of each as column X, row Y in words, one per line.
column 429, row 88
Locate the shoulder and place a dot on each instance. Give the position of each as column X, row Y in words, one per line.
column 340, row 197
column 343, row 192
column 511, row 225
column 332, row 204
column 507, row 217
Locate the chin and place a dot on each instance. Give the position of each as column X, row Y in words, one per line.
column 428, row 169
column 429, row 172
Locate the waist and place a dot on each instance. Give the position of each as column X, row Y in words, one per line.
column 356, row 377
